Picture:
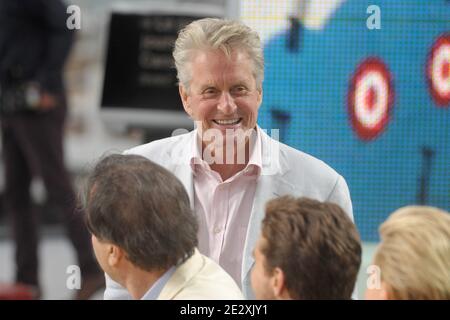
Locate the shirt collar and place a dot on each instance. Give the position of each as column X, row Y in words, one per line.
column 256, row 151
column 156, row 288
column 255, row 159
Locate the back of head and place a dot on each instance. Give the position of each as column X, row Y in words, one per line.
column 315, row 244
column 217, row 34
column 414, row 253
column 142, row 208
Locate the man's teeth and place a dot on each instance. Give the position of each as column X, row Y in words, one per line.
column 228, row 122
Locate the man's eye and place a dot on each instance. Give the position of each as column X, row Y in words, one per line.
column 240, row 88
column 209, row 91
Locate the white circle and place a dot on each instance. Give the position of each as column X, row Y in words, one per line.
column 370, row 118
column 442, row 56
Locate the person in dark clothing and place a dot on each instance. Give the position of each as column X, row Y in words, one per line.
column 34, row 44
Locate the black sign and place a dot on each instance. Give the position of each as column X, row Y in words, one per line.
column 140, row 71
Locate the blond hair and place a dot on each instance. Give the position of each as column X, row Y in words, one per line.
column 217, row 34
column 414, row 253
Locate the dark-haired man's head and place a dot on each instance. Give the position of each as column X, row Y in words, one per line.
column 139, row 215
column 307, row 250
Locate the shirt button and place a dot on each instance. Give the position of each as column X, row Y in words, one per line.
column 217, row 230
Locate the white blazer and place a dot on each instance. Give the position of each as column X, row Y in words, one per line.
column 200, row 278
column 285, row 171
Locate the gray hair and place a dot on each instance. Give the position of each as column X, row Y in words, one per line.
column 224, row 35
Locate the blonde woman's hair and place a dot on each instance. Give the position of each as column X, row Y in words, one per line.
column 217, row 34
column 414, row 253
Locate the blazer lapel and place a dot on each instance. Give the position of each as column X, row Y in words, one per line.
column 184, row 173
column 181, row 156
column 271, row 184
column 268, row 187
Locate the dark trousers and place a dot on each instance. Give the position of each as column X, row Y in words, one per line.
column 33, row 145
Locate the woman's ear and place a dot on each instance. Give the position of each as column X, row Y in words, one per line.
column 380, row 293
column 384, row 292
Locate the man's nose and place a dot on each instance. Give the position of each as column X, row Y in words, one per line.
column 226, row 103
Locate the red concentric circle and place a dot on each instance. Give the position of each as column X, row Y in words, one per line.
column 370, row 98
column 438, row 71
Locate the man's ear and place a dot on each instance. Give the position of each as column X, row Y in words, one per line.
column 185, row 99
column 115, row 255
column 278, row 283
column 260, row 96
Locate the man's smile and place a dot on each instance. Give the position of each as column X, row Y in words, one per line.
column 227, row 122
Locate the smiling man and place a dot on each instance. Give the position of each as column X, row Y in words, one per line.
column 223, row 98
column 229, row 166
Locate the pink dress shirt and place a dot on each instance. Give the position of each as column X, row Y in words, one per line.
column 224, row 207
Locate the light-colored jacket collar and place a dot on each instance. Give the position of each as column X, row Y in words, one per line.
column 182, row 275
